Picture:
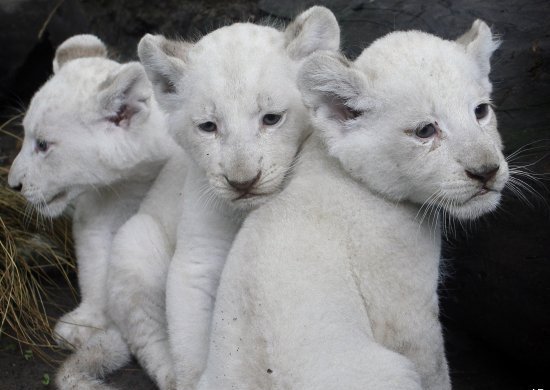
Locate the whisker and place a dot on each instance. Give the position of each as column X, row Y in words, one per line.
column 426, row 205
column 526, row 148
column 517, row 192
column 528, row 188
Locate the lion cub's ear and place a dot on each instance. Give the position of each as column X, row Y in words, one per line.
column 164, row 63
column 312, row 30
column 480, row 44
column 335, row 91
column 125, row 96
column 78, row 46
column 330, row 83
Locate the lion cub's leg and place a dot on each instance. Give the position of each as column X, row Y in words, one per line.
column 423, row 344
column 366, row 365
column 92, row 242
column 328, row 355
column 136, row 287
column 203, row 243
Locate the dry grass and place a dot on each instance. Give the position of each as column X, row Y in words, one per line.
column 35, row 256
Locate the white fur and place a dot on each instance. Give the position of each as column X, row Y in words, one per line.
column 107, row 142
column 140, row 254
column 333, row 284
column 231, row 77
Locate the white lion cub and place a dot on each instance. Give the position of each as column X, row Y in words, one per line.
column 139, row 259
column 94, row 138
column 333, row 284
column 234, row 105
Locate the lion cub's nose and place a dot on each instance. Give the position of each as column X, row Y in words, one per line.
column 483, row 175
column 17, row 187
column 244, row 185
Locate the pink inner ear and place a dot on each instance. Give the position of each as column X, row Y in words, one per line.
column 343, row 111
column 124, row 113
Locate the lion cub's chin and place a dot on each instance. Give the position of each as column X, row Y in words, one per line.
column 56, row 205
column 251, row 201
column 481, row 203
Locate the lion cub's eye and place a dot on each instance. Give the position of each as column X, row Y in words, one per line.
column 481, row 111
column 209, row 127
column 41, row 145
column 271, row 119
column 426, row 131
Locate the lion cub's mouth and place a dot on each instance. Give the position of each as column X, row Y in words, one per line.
column 249, row 195
column 57, row 197
column 483, row 191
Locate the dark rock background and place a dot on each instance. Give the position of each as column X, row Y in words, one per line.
column 496, row 289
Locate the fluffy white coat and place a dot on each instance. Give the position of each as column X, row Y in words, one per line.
column 235, row 107
column 95, row 139
column 140, row 255
column 333, row 284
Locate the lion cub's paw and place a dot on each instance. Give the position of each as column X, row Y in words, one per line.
column 76, row 327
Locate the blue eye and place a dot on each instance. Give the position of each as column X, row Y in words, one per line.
column 271, row 119
column 481, row 111
column 209, row 127
column 425, row 132
column 41, row 145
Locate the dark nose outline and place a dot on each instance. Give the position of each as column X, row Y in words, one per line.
column 244, row 186
column 484, row 175
column 17, row 188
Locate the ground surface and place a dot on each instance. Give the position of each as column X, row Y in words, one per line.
column 474, row 364
column 496, row 296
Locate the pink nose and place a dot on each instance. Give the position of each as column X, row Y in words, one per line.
column 246, row 185
column 483, row 175
column 17, row 188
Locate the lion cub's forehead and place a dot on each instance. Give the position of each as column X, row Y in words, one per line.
column 68, row 96
column 419, row 69
column 239, row 49
column 417, row 56
column 240, row 38
column 243, row 62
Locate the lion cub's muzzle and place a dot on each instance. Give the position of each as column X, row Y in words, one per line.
column 16, row 187
column 244, row 187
